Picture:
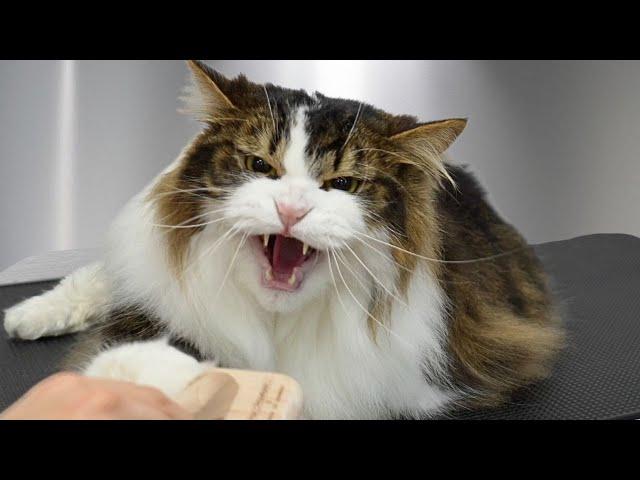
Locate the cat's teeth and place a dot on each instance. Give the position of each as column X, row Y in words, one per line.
column 269, row 275
column 265, row 240
column 292, row 279
column 305, row 248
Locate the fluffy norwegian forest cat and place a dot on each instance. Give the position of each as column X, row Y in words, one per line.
column 318, row 237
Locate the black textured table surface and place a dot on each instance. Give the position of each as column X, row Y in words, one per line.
column 597, row 279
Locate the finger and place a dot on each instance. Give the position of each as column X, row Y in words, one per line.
column 150, row 396
column 160, row 400
column 176, row 412
column 133, row 410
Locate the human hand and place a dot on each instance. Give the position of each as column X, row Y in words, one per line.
column 71, row 396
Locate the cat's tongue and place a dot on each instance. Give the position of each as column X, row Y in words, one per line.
column 287, row 254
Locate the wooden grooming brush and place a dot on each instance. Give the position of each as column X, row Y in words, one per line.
column 229, row 394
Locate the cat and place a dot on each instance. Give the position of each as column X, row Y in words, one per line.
column 318, row 237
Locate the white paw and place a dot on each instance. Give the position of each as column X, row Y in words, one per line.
column 153, row 363
column 79, row 298
column 45, row 315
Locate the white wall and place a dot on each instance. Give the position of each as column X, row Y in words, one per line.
column 554, row 143
column 69, row 162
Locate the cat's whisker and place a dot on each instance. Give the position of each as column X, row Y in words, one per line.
column 184, row 222
column 436, row 260
column 384, row 255
column 273, row 118
column 196, row 225
column 359, row 279
column 209, row 251
column 231, row 263
column 231, row 232
column 391, row 294
column 335, row 287
column 190, row 191
column 365, row 288
column 353, row 127
column 391, row 332
column 382, row 221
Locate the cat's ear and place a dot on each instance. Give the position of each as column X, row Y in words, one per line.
column 204, row 97
column 431, row 137
column 427, row 141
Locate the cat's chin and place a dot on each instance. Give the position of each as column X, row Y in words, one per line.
column 282, row 301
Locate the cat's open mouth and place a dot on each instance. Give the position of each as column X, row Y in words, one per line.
column 284, row 260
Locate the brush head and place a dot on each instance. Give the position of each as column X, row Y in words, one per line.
column 228, row 394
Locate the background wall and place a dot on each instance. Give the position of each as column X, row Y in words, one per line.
column 554, row 143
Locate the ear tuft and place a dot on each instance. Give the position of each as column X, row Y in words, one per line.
column 203, row 98
column 428, row 141
column 437, row 136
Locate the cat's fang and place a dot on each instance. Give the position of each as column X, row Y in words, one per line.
column 269, row 274
column 305, row 248
column 292, row 279
column 265, row 240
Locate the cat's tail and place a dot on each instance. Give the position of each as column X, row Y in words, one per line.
column 78, row 301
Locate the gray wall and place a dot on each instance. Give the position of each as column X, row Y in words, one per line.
column 554, row 143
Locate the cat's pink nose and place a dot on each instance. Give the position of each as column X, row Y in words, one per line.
column 290, row 214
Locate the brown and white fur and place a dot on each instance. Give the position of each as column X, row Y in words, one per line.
column 416, row 297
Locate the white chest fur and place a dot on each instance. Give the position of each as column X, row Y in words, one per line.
column 327, row 345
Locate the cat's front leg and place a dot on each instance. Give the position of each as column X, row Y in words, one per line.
column 79, row 300
column 153, row 363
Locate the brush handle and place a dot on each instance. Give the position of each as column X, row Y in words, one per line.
column 229, row 394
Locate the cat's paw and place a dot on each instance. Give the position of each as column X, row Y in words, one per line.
column 153, row 363
column 45, row 315
column 80, row 298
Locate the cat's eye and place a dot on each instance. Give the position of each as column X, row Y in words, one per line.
column 259, row 165
column 348, row 184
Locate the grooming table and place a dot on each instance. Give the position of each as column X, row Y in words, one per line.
column 595, row 277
